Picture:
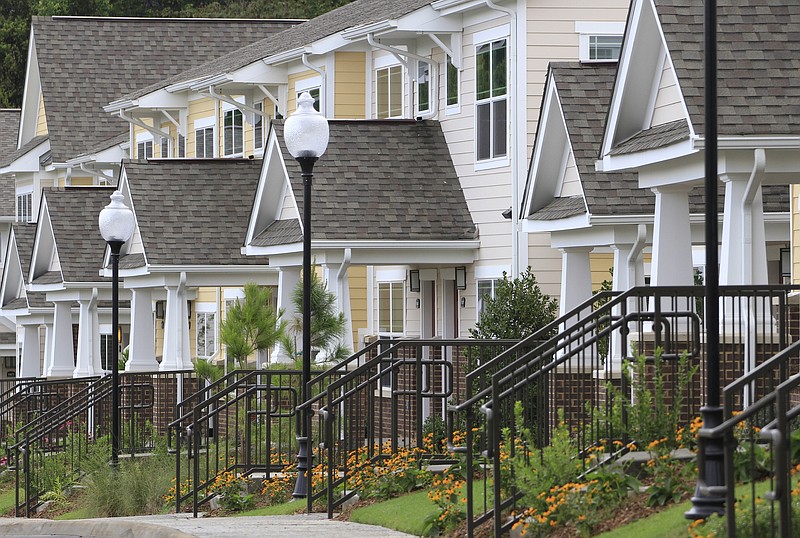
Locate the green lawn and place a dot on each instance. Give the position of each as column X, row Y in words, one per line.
column 80, row 513
column 667, row 524
column 292, row 507
column 7, row 500
column 394, row 513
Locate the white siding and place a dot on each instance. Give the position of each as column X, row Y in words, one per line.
column 668, row 101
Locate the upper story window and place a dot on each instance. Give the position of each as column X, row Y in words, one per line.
column 233, row 132
column 205, row 315
column 166, row 143
column 144, row 146
column 258, row 127
column 181, row 146
column 204, row 138
column 25, row 207
column 452, row 83
column 491, row 99
column 600, row 41
column 391, row 308
column 389, row 92
column 486, row 291
column 313, row 86
column 423, row 86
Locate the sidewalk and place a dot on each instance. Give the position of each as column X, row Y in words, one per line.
column 185, row 526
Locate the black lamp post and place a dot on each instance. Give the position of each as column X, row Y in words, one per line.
column 306, row 137
column 709, row 495
column 116, row 227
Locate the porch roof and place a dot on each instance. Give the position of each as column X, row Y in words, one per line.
column 758, row 67
column 192, row 211
column 655, row 137
column 24, row 235
column 9, row 128
column 384, row 180
column 12, row 156
column 82, row 68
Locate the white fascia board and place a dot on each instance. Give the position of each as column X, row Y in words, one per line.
column 162, row 99
column 120, row 104
column 448, row 7
column 638, row 159
column 596, row 236
column 361, row 32
column 621, row 220
column 75, row 291
column 253, row 273
column 260, row 73
column 203, row 84
column 568, row 223
column 251, row 250
column 360, row 249
column 687, row 169
column 45, row 287
column 285, row 56
column 111, row 155
column 29, row 162
column 183, row 86
column 751, row 142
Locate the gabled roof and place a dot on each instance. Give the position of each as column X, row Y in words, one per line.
column 381, row 180
column 191, row 211
column 9, row 127
column 84, row 62
column 357, row 13
column 15, row 270
column 73, row 213
column 758, row 65
column 12, row 156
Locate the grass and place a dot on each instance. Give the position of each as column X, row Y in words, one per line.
column 283, row 509
column 666, row 524
column 394, row 513
column 7, row 500
column 80, row 513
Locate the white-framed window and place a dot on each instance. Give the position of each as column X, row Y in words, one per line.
column 452, row 84
column 206, row 318
column 232, row 132
column 600, row 41
column 25, row 206
column 487, row 289
column 423, row 86
column 166, row 144
column 491, row 95
column 314, row 93
column 389, row 92
column 181, row 146
column 258, row 127
column 144, row 146
column 313, row 86
column 106, row 351
column 204, row 138
column 391, row 308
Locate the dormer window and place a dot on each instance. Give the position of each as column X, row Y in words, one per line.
column 388, row 88
column 25, row 206
column 204, row 138
column 233, row 133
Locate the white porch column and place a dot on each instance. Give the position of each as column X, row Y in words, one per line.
column 62, row 351
column 48, row 346
column 672, row 238
column 176, row 330
column 142, row 350
column 288, row 279
column 30, row 362
column 743, row 259
column 576, row 277
column 342, row 291
column 88, row 362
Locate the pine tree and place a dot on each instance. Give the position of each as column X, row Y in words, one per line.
column 251, row 325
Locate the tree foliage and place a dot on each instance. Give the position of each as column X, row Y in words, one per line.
column 251, row 324
column 15, row 19
column 327, row 325
column 518, row 309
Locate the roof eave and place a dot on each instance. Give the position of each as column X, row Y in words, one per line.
column 629, row 161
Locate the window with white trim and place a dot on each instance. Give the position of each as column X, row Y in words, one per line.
column 181, row 146
column 166, row 143
column 206, row 318
column 258, row 127
column 389, row 92
column 491, row 99
column 314, row 93
column 452, row 83
column 25, row 207
column 204, row 138
column 423, row 86
column 232, row 132
column 144, row 149
column 600, row 41
column 391, row 308
column 486, row 290
column 604, row 47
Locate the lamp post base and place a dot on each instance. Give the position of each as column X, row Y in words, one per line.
column 709, row 493
column 301, row 486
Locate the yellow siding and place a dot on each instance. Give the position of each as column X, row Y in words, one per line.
column 350, row 88
column 81, row 181
column 601, row 263
column 198, row 110
column 293, row 80
column 136, row 132
column 358, row 299
column 167, row 128
column 41, row 119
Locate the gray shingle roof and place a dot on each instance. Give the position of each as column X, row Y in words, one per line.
column 73, row 213
column 280, row 232
column 655, row 137
column 131, row 261
column 25, row 235
column 9, row 127
column 585, row 93
column 194, row 211
column 50, row 277
column 14, row 155
column 357, row 13
column 85, row 62
column 384, row 180
column 561, row 208
column 758, row 68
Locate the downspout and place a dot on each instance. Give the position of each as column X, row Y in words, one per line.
column 324, row 90
column 512, row 107
column 750, row 191
column 343, row 301
column 434, row 76
column 636, row 251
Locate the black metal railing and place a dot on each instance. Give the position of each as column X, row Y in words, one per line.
column 69, row 417
column 577, row 370
column 384, row 404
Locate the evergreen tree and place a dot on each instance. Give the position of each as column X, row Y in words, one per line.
column 251, row 325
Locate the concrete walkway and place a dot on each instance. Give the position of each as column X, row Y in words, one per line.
column 185, row 526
